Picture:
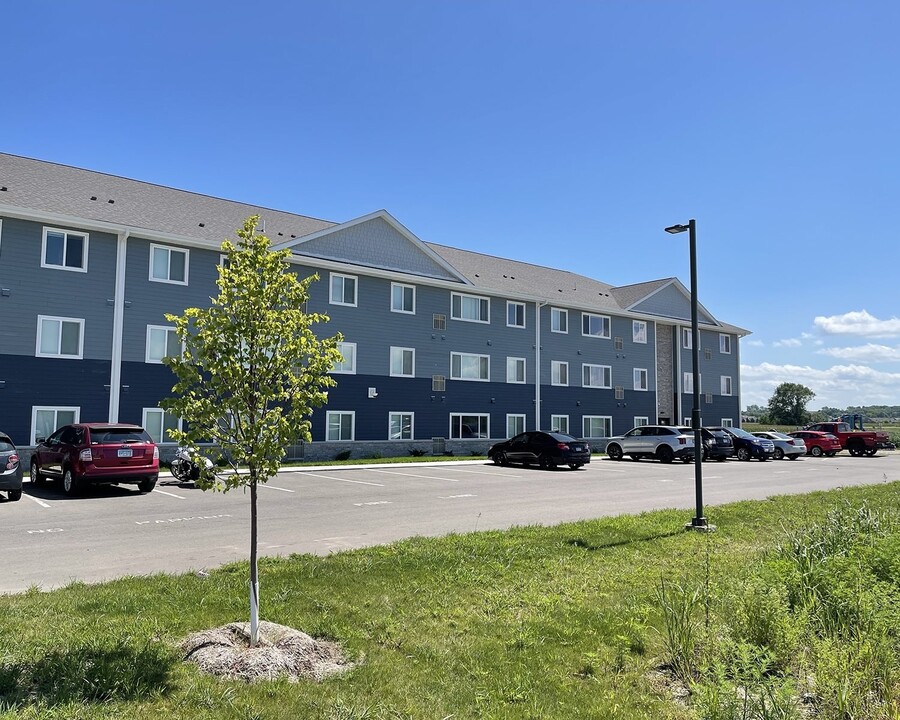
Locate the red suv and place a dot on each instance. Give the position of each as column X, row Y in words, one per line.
column 97, row 453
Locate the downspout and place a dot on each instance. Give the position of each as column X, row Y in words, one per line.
column 737, row 351
column 115, row 372
column 537, row 363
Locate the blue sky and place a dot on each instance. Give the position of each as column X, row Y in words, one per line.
column 562, row 133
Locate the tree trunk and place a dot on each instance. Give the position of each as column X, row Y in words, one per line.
column 254, row 576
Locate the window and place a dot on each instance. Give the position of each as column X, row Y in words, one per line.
column 341, row 425
column 620, row 392
column 640, row 421
column 45, row 420
column 168, row 265
column 559, row 373
column 465, row 366
column 640, row 379
column 727, row 422
column 342, row 289
column 686, row 338
column 559, row 320
column 725, row 382
column 60, row 337
column 515, row 314
column 559, row 423
column 725, row 344
column 515, row 370
column 403, row 362
column 596, row 376
column 400, row 426
column 515, row 424
column 688, row 383
column 688, row 421
column 639, row 331
column 64, row 250
column 159, row 424
column 438, row 383
column 348, row 365
column 708, row 398
column 469, row 426
column 618, row 343
column 707, row 354
column 470, row 308
column 596, row 426
column 403, row 298
column 161, row 342
column 439, row 321
column 594, row 325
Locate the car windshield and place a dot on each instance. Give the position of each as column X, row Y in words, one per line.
column 741, row 433
column 111, row 436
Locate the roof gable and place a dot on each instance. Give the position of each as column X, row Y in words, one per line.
column 669, row 299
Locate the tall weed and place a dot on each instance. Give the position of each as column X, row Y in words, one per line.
column 681, row 628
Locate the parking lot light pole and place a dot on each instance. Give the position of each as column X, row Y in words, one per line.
column 699, row 522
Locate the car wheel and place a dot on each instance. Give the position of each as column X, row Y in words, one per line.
column 832, row 453
column 546, row 463
column 665, row 454
column 70, row 482
column 146, row 486
column 14, row 495
column 779, row 454
column 686, row 459
column 871, row 452
column 500, row 458
column 614, row 452
column 743, row 453
column 635, row 457
column 855, row 450
column 574, row 466
column 816, row 451
column 37, row 477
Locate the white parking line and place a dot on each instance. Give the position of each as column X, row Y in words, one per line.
column 39, row 502
column 163, row 492
column 478, row 472
column 426, row 477
column 334, row 477
column 453, row 497
column 274, row 487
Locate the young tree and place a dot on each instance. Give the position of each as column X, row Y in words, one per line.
column 251, row 372
column 787, row 406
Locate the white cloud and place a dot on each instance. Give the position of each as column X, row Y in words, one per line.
column 858, row 323
column 752, row 343
column 870, row 353
column 789, row 342
column 837, row 386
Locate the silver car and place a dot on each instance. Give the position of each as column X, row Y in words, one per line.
column 662, row 442
column 10, row 468
column 785, row 445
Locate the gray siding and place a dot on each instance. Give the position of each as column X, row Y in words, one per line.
column 671, row 302
column 711, row 369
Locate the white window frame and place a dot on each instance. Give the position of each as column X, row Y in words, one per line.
column 555, row 424
column 145, row 415
column 329, row 414
column 605, row 380
column 724, row 344
column 726, row 385
column 556, row 368
column 516, row 417
column 606, row 325
column 518, row 306
column 557, row 315
column 55, row 409
column 151, row 328
column 170, row 249
column 460, row 416
column 403, row 287
column 687, row 338
column 641, row 420
column 688, row 420
column 512, row 364
column 639, row 331
column 352, row 369
column 637, row 374
column 727, row 422
column 605, row 419
column 401, row 351
column 340, row 301
column 688, row 382
column 60, row 320
column 470, row 355
column 412, row 425
column 483, row 303
column 65, row 233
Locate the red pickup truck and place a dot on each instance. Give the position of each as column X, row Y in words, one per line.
column 857, row 442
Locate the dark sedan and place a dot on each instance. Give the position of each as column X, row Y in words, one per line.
column 547, row 449
column 10, row 468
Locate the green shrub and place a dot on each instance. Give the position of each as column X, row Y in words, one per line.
column 416, row 452
column 343, row 455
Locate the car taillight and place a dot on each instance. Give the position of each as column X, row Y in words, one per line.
column 682, row 441
column 11, row 462
column 155, row 453
column 86, row 456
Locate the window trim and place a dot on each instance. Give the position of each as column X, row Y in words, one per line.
column 634, row 334
column 687, row 339
column 524, row 370
column 588, row 315
column 56, row 408
column 346, row 372
column 343, row 276
column 477, row 355
column 167, row 328
column 351, row 413
column 559, row 364
column 596, row 417
column 162, row 441
column 515, row 415
column 722, row 342
column 170, row 249
column 557, row 428
column 412, row 425
column 403, row 286
column 475, row 297
column 688, row 379
column 646, row 374
column 487, row 431
column 727, row 422
column 562, row 312
column 517, row 305
column 79, row 321
column 584, row 366
column 645, row 418
column 730, row 383
column 412, row 374
column 65, row 233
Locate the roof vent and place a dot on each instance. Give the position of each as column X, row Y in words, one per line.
column 93, row 197
column 280, row 234
column 3, row 189
column 292, row 235
column 111, row 202
column 201, row 224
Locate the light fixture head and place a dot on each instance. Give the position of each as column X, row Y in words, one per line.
column 675, row 229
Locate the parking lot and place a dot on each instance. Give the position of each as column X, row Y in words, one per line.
column 51, row 539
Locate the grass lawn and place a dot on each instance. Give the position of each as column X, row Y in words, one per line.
column 561, row 622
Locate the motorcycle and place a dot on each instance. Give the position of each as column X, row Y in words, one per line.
column 188, row 465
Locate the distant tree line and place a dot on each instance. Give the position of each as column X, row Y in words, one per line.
column 787, row 406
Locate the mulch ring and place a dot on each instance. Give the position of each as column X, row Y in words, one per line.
column 281, row 652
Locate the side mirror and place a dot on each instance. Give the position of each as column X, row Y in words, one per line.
column 39, row 439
